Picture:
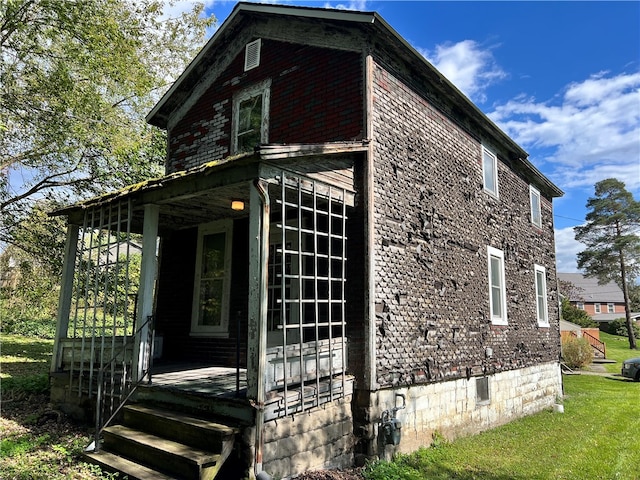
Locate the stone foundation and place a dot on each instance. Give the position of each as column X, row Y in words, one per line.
column 318, row 438
column 452, row 408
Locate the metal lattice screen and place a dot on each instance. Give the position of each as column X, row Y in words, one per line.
column 306, row 285
column 107, row 273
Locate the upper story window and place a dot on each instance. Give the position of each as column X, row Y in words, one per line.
column 611, row 308
column 536, row 210
column 490, row 171
column 497, row 290
column 597, row 308
column 541, row 296
column 251, row 117
column 210, row 313
column 580, row 305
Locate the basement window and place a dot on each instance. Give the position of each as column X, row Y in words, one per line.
column 252, row 54
column 482, row 391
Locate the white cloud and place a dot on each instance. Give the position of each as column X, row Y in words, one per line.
column 590, row 132
column 351, row 5
column 468, row 65
column 567, row 249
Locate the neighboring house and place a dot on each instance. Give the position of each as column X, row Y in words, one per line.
column 346, row 241
column 604, row 303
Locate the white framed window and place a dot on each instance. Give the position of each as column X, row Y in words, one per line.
column 210, row 312
column 497, row 290
column 611, row 308
column 250, row 125
column 597, row 308
column 490, row 171
column 536, row 206
column 580, row 305
column 541, row 296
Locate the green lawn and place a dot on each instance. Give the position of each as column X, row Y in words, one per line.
column 598, row 437
column 618, row 350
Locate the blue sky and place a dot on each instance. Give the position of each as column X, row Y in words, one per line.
column 561, row 78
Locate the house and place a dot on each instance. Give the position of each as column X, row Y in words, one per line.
column 344, row 258
column 604, row 303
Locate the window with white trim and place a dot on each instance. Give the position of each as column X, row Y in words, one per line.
column 611, row 308
column 210, row 313
column 597, row 308
column 490, row 171
column 497, row 290
column 541, row 296
column 580, row 305
column 250, row 117
column 536, row 207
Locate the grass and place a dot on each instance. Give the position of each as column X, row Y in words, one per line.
column 36, row 441
column 618, row 350
column 596, row 438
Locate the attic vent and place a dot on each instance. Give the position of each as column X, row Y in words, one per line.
column 252, row 55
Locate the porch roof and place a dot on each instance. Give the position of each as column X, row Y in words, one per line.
column 205, row 192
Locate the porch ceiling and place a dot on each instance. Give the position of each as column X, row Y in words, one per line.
column 204, row 194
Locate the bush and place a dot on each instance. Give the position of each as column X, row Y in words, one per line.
column 619, row 327
column 576, row 352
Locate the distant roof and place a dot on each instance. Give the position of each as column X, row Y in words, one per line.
column 588, row 290
column 610, row 317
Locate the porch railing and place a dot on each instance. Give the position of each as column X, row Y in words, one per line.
column 116, row 381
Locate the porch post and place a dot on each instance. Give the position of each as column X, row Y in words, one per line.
column 258, row 248
column 66, row 293
column 257, row 335
column 148, row 272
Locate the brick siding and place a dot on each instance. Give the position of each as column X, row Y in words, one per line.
column 316, row 96
column 433, row 225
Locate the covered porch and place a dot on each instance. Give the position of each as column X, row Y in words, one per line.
column 239, row 290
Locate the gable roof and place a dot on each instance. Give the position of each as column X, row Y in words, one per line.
column 588, row 289
column 369, row 23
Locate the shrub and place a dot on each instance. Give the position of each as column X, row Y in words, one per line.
column 619, row 327
column 576, row 352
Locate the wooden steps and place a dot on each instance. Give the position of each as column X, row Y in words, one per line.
column 160, row 443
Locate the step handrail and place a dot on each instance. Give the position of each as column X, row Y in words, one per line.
column 126, row 387
column 596, row 343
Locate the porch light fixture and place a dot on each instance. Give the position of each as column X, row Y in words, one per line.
column 237, row 205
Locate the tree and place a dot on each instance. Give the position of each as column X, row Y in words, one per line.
column 612, row 240
column 77, row 78
column 573, row 314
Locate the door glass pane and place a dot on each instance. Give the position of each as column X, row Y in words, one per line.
column 212, row 279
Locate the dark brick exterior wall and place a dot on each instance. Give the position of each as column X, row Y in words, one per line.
column 433, row 225
column 175, row 297
column 316, row 96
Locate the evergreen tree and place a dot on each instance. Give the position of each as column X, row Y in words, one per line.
column 612, row 240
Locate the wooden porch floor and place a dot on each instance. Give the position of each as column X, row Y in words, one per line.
column 204, row 380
